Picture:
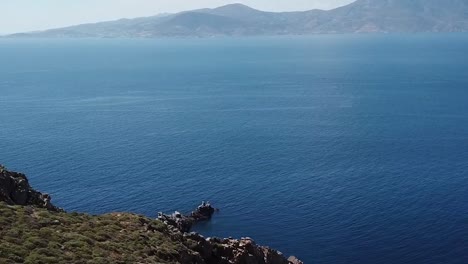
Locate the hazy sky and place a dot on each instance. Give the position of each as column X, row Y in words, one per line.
column 29, row 15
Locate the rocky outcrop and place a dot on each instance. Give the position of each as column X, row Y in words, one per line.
column 235, row 251
column 184, row 223
column 294, row 260
column 15, row 190
column 217, row 250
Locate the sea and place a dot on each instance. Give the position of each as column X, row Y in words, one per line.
column 343, row 149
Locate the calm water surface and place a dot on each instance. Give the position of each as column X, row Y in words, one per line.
column 337, row 149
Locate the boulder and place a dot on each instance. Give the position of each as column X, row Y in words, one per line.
column 294, row 260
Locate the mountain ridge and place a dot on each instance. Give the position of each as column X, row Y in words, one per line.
column 361, row 16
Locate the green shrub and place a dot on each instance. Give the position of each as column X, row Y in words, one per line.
column 35, row 242
column 30, row 235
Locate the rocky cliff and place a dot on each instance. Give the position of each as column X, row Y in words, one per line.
column 15, row 190
column 33, row 230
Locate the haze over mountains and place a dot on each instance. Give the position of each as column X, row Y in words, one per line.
column 362, row 16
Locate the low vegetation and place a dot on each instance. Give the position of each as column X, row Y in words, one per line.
column 33, row 235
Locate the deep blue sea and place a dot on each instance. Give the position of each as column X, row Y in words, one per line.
column 337, row 149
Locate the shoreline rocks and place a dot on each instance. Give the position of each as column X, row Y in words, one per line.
column 222, row 251
column 15, row 190
column 236, row 251
column 184, row 223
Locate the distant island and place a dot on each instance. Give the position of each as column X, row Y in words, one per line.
column 361, row 16
column 33, row 230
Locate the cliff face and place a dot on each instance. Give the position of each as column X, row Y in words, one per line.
column 15, row 190
column 32, row 230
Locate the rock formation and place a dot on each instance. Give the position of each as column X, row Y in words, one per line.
column 184, row 223
column 222, row 251
column 15, row 190
column 238, row 251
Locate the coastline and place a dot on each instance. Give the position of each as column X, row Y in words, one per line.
column 17, row 197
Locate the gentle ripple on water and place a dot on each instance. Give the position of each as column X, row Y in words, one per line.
column 315, row 145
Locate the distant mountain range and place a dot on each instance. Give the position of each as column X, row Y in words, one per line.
column 361, row 16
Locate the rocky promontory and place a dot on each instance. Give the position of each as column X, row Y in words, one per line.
column 15, row 190
column 33, row 230
column 184, row 223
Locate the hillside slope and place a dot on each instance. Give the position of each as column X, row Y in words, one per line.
column 361, row 16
